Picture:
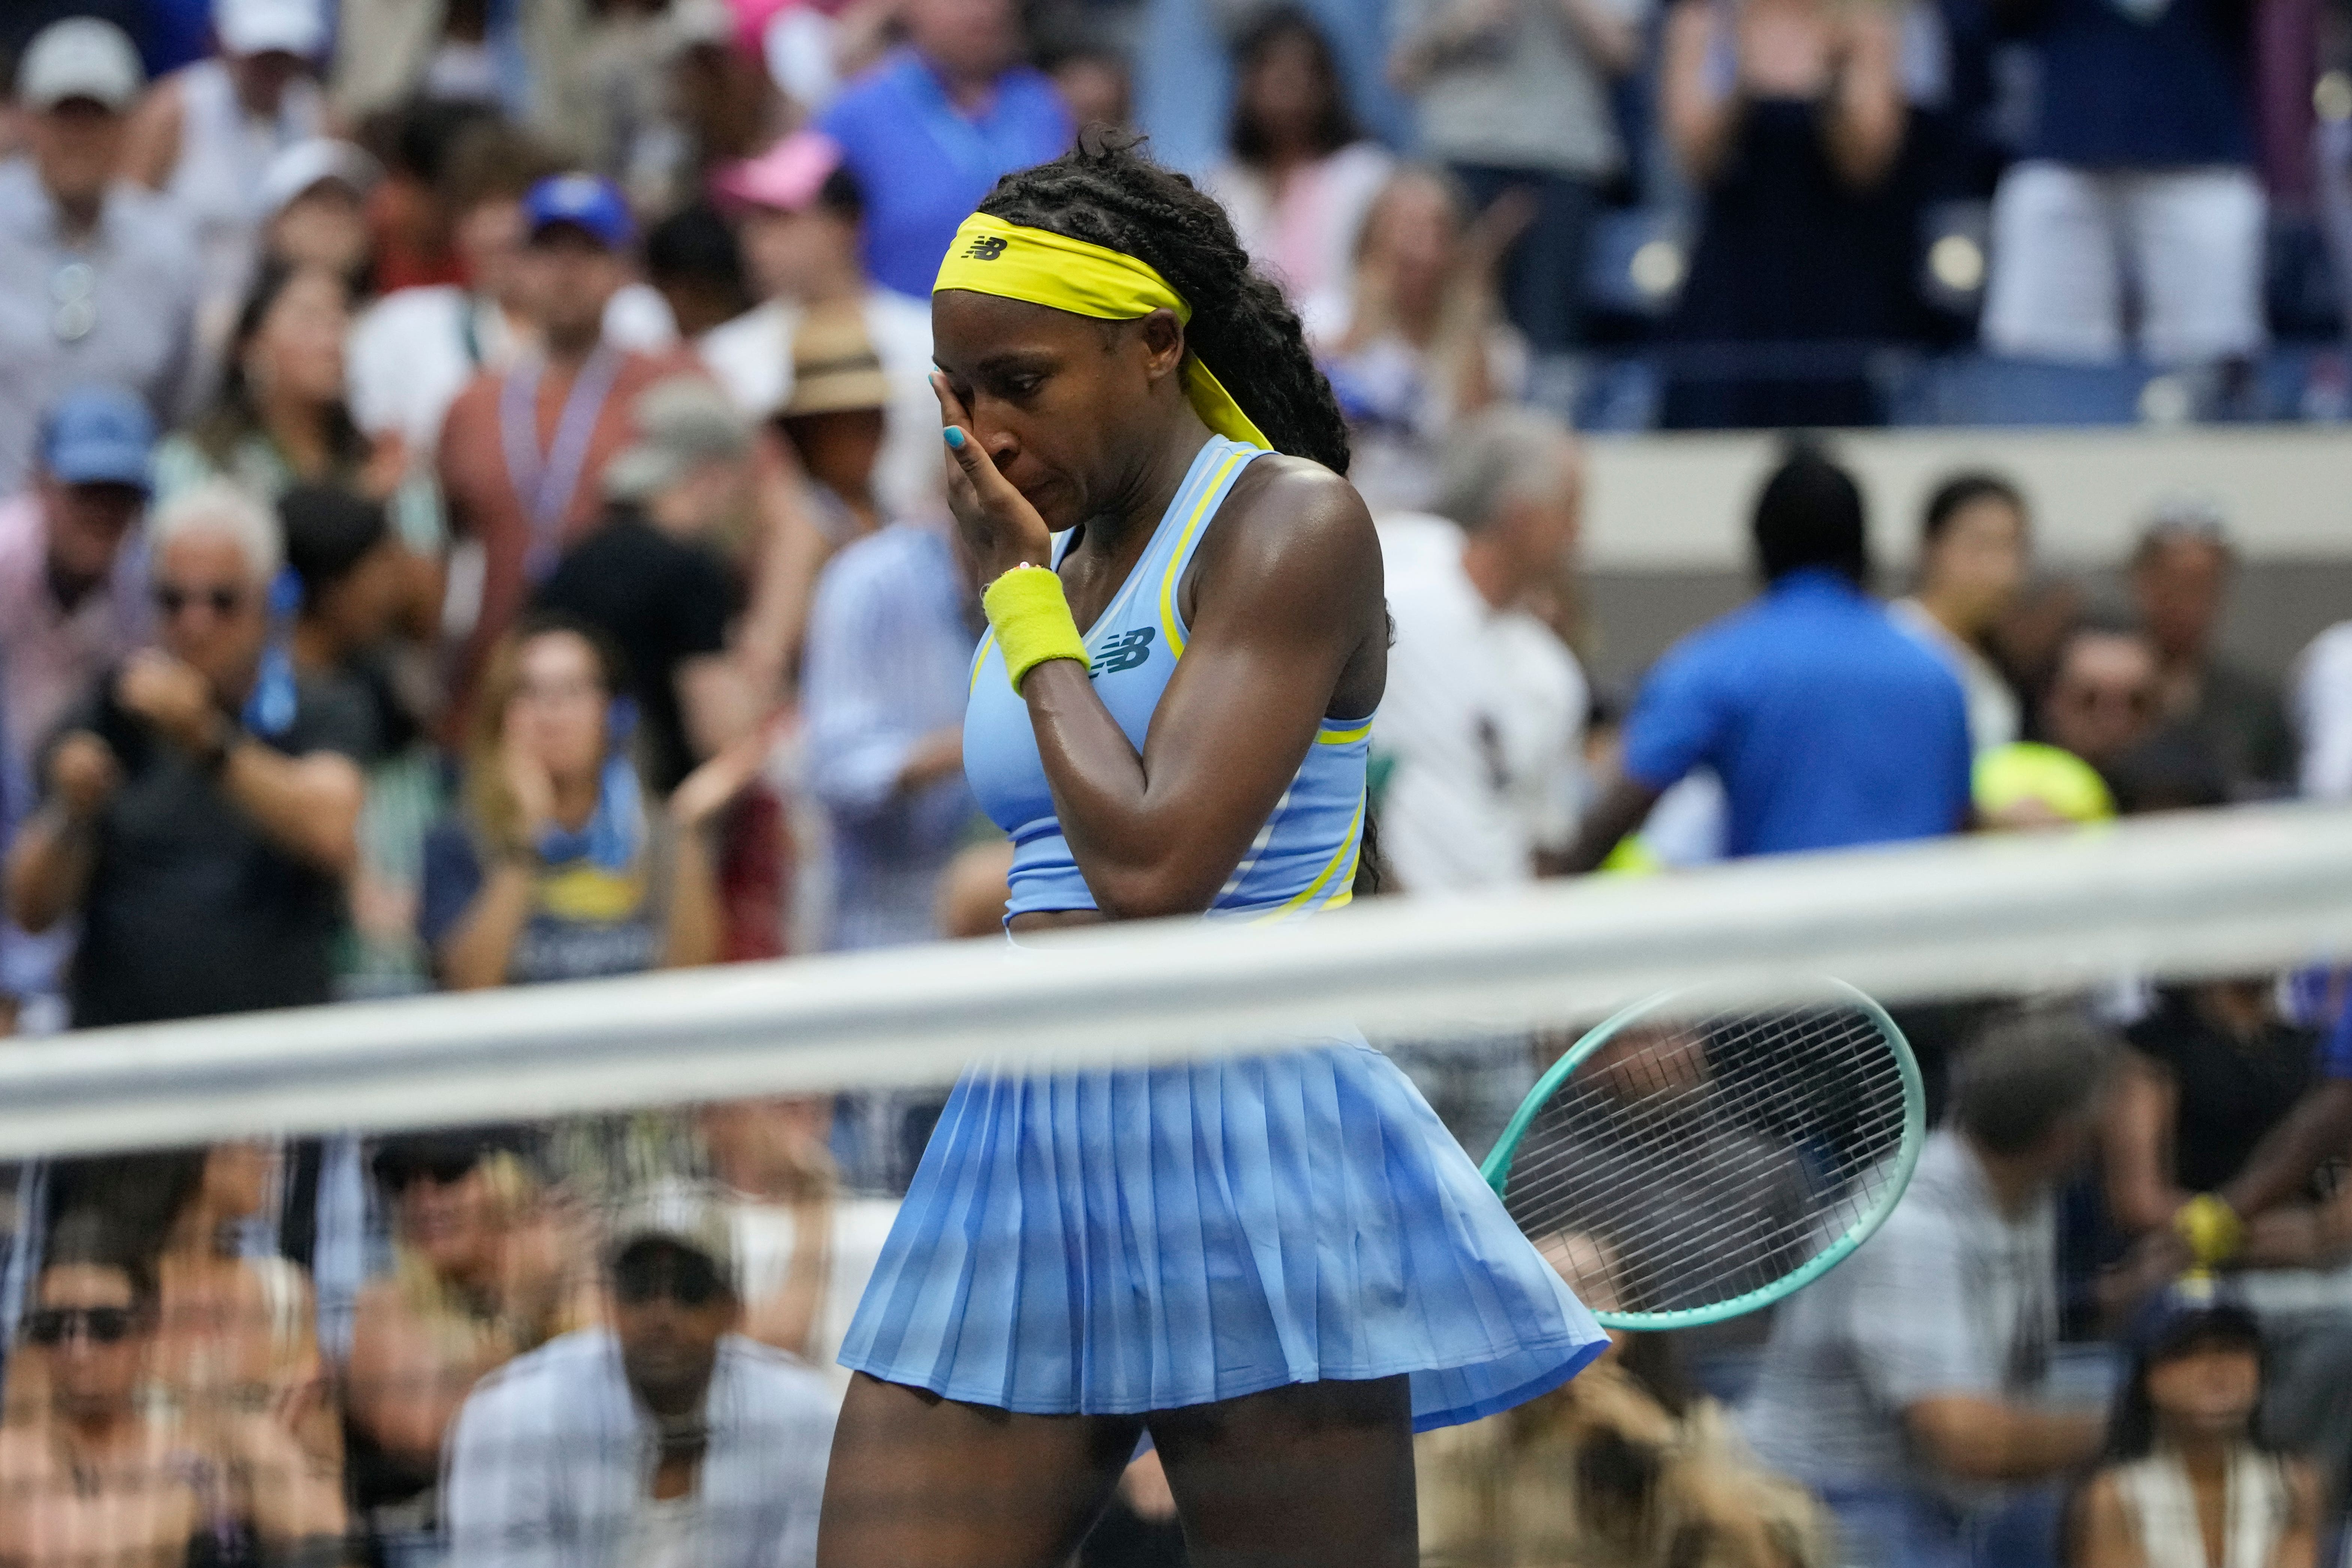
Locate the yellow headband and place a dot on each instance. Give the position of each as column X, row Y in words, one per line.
column 992, row 256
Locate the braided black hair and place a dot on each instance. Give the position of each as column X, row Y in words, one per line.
column 1107, row 192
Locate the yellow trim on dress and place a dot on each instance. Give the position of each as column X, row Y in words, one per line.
column 1177, row 557
column 1349, row 848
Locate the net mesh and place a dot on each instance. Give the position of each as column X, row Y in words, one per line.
column 1697, row 1157
column 365, row 1221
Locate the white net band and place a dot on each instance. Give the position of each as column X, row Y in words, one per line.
column 2179, row 897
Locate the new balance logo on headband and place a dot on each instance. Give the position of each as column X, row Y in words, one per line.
column 986, row 248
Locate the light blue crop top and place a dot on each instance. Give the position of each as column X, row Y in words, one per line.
column 1302, row 860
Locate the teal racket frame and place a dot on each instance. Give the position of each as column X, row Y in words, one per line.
column 1496, row 1170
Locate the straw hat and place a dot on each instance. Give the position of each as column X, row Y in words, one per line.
column 835, row 368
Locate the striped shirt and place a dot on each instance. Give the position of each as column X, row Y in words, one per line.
column 1952, row 1297
column 889, row 649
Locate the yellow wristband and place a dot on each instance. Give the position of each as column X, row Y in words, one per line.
column 1031, row 620
column 2211, row 1228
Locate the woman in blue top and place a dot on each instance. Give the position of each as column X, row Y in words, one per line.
column 1277, row 1266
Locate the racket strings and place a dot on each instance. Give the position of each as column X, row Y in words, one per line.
column 1689, row 1162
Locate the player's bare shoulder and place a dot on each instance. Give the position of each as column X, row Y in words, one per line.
column 1293, row 516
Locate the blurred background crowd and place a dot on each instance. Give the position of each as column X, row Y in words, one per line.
column 470, row 516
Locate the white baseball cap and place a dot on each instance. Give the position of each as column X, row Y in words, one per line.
column 271, row 27
column 305, row 164
column 684, row 1214
column 81, row 57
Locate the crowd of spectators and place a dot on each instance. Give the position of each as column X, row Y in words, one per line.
column 470, row 517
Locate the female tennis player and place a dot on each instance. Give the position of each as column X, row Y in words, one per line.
column 1277, row 1266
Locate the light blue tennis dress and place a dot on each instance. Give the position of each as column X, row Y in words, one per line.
column 1119, row 1241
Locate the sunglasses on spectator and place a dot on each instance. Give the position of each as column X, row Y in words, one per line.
column 99, row 1325
column 646, row 1275
column 442, row 1171
column 2135, row 698
column 171, row 599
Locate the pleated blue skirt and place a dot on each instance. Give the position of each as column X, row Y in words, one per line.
column 1114, row 1242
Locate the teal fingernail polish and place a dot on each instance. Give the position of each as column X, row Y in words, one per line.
column 955, row 438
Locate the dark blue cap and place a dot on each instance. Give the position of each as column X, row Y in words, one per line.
column 2192, row 1311
column 99, row 436
column 585, row 202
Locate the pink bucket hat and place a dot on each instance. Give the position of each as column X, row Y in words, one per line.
column 786, row 177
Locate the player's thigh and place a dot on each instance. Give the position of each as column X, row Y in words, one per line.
column 919, row 1482
column 1307, row 1476
column 2198, row 242
column 2055, row 291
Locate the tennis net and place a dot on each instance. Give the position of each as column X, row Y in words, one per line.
column 369, row 1215
column 2157, row 899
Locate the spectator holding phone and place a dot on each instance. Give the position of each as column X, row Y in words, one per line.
column 199, row 807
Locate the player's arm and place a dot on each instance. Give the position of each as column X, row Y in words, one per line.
column 1288, row 597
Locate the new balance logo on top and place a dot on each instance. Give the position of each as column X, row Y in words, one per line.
column 1124, row 651
column 986, row 248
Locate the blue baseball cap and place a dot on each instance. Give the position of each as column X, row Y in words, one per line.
column 585, row 202
column 99, row 436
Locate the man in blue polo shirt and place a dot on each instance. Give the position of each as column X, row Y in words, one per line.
column 930, row 130
column 1827, row 723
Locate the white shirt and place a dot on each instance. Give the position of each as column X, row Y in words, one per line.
column 414, row 349
column 667, row 1534
column 764, row 1233
column 549, row 1461
column 1994, row 716
column 2161, row 1503
column 2321, row 692
column 1483, row 723
column 751, row 357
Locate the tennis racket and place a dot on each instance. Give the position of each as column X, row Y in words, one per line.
column 1691, row 1159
